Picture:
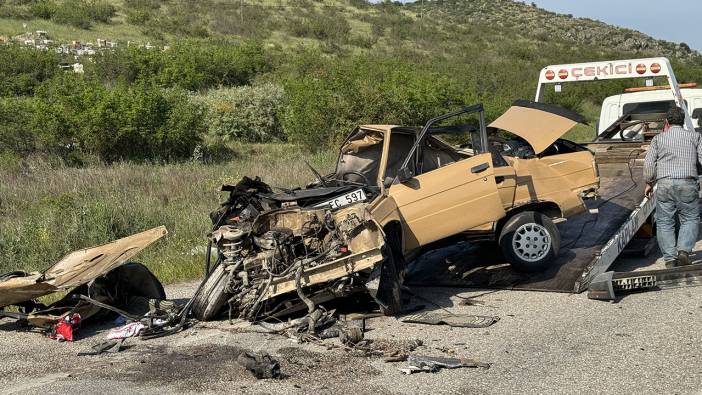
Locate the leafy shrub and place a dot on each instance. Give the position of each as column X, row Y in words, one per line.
column 326, row 26
column 70, row 13
column 78, row 13
column 79, row 117
column 327, row 99
column 24, row 68
column 143, row 4
column 251, row 20
column 17, row 134
column 82, row 13
column 14, row 11
column 247, row 113
column 190, row 64
column 100, row 10
column 183, row 19
column 43, row 9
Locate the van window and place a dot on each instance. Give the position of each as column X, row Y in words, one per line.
column 651, row 107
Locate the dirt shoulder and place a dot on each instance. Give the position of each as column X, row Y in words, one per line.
column 544, row 342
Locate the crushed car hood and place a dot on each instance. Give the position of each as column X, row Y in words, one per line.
column 77, row 268
column 538, row 123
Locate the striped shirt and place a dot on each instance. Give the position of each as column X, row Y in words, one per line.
column 673, row 154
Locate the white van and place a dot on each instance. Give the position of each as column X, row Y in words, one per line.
column 648, row 102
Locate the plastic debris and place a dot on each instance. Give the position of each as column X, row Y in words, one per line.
column 63, row 330
column 130, row 330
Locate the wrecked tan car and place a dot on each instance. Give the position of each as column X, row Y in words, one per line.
column 397, row 191
column 80, row 273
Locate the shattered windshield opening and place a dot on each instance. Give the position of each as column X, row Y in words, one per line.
column 360, row 158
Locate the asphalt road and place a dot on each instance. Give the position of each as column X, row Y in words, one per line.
column 543, row 343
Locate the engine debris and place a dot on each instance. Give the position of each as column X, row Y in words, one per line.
column 273, row 261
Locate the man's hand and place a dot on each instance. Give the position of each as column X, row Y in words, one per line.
column 648, row 191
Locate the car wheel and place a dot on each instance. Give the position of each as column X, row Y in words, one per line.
column 211, row 297
column 530, row 241
column 384, row 282
column 390, row 291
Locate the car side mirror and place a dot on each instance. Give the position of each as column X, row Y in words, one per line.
column 405, row 174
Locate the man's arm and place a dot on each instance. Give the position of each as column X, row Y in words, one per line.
column 652, row 158
column 699, row 151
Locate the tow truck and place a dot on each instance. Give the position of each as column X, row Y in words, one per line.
column 618, row 223
column 621, row 147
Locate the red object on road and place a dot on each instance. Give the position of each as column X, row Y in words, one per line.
column 63, row 330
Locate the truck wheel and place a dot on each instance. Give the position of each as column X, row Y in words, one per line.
column 530, row 241
column 211, row 299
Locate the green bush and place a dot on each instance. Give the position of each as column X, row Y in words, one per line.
column 326, row 26
column 43, row 8
column 17, row 134
column 254, row 21
column 82, row 13
column 327, row 99
column 247, row 113
column 81, row 117
column 14, row 11
column 25, row 68
column 138, row 16
column 192, row 64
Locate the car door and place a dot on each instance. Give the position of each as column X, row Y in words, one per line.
column 448, row 200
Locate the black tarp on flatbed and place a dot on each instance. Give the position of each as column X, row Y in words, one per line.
column 480, row 265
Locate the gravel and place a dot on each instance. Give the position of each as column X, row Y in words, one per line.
column 543, row 343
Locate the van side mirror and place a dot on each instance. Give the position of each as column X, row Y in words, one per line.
column 405, row 174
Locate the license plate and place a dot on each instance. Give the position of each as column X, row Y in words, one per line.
column 344, row 200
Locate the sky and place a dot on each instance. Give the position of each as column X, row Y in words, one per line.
column 672, row 20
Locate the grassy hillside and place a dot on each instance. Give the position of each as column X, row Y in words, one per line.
column 349, row 24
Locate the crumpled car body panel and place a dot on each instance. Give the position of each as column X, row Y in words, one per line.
column 77, row 268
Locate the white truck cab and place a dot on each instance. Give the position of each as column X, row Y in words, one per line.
column 648, row 68
column 647, row 102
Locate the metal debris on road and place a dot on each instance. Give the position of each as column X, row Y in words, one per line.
column 110, row 346
column 262, row 365
column 454, row 320
column 434, row 364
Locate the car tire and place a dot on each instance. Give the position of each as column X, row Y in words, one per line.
column 211, row 298
column 390, row 291
column 530, row 241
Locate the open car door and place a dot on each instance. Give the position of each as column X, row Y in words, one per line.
column 449, row 199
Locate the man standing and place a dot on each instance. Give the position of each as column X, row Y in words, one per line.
column 671, row 164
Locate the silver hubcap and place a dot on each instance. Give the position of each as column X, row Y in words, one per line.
column 531, row 242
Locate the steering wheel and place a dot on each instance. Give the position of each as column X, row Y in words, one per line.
column 357, row 173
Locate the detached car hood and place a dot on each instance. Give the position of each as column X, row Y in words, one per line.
column 76, row 268
column 539, row 124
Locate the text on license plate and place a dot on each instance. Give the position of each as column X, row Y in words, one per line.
column 344, row 200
